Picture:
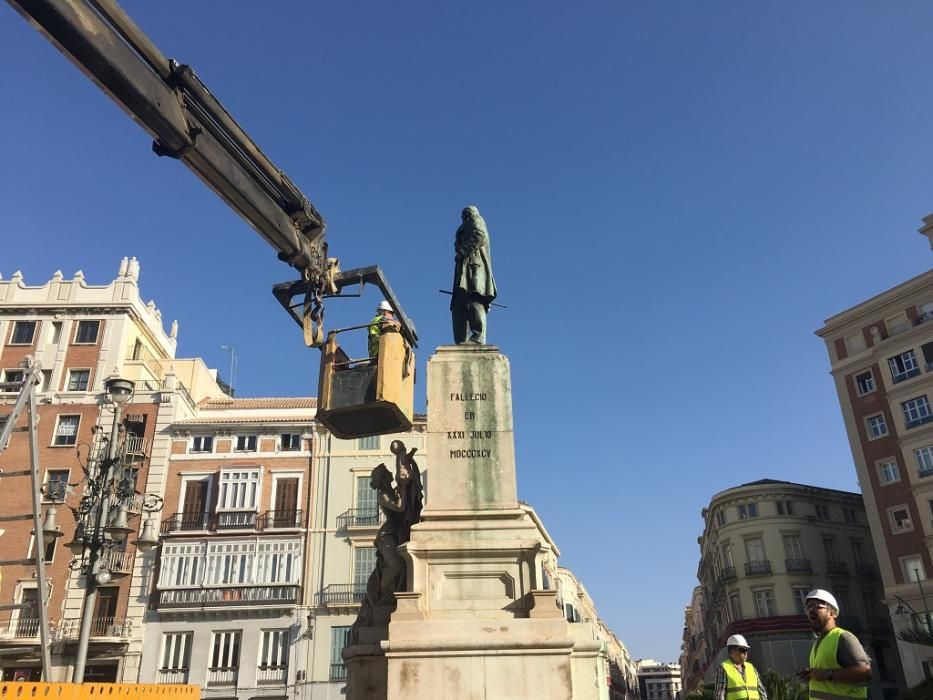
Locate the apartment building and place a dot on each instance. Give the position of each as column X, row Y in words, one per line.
column 694, row 656
column 764, row 545
column 81, row 334
column 658, row 680
column 225, row 610
column 881, row 358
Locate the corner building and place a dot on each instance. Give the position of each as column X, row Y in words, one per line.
column 881, row 358
column 764, row 546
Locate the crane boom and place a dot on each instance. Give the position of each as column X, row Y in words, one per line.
column 186, row 122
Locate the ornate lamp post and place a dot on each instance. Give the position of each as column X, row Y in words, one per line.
column 103, row 513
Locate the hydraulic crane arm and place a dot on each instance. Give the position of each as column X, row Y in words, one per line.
column 186, row 122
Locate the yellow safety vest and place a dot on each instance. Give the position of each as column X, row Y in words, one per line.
column 738, row 688
column 823, row 657
column 375, row 328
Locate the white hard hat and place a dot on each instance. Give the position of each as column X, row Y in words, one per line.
column 737, row 640
column 824, row 597
column 384, row 306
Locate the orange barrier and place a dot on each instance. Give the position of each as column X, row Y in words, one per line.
column 98, row 691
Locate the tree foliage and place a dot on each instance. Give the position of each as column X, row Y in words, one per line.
column 781, row 688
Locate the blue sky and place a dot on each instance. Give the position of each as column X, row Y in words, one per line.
column 678, row 194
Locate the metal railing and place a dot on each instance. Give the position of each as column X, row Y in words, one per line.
column 271, row 675
column 116, row 627
column 117, row 562
column 23, row 628
column 222, row 676
column 757, row 568
column 173, row 676
column 360, row 517
column 181, row 522
column 338, row 672
column 728, row 574
column 235, row 520
column 277, row 519
column 837, row 568
column 341, row 594
column 798, row 565
column 229, row 596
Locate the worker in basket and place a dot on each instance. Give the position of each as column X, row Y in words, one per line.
column 382, row 321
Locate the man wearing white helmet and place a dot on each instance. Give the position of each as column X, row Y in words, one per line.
column 736, row 678
column 839, row 666
column 383, row 315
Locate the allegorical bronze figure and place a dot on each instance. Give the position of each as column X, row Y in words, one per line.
column 474, row 287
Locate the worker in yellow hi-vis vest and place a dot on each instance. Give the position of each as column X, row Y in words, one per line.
column 736, row 678
column 839, row 667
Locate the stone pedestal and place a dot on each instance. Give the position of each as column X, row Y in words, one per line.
column 475, row 622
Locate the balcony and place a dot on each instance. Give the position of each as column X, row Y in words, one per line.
column 101, row 627
column 117, row 562
column 271, row 675
column 341, row 595
column 866, row 571
column 222, row 677
column 798, row 566
column 360, row 517
column 24, row 628
column 758, row 568
column 338, row 672
column 173, row 676
column 185, row 522
column 281, row 519
column 235, row 520
column 728, row 574
column 228, row 596
column 837, row 568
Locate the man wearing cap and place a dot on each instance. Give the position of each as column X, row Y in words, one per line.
column 839, row 666
column 383, row 315
column 736, row 678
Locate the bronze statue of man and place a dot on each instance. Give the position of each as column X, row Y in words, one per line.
column 474, row 286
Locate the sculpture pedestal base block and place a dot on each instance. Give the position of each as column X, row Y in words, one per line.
column 476, row 622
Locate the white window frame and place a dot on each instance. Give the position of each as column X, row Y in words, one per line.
column 924, row 459
column 176, row 647
column 14, row 375
column 246, row 439
column 46, row 498
column 78, row 330
column 233, row 640
column 71, row 374
column 916, row 411
column 276, row 477
column 883, row 473
column 899, row 527
column 273, row 649
column 196, row 476
column 181, row 565
column 293, row 438
column 202, row 438
column 771, row 605
column 237, row 492
column 368, row 444
column 55, row 435
column 912, row 565
column 748, row 511
column 869, row 383
column 32, row 338
column 876, row 426
column 363, row 563
column 903, row 366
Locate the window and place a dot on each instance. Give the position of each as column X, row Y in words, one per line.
column 66, row 432
column 876, row 426
column 245, row 443
column 364, row 563
column 368, row 443
column 202, row 443
column 727, row 559
column 273, row 649
column 749, row 510
column 339, row 638
column 888, row 472
column 176, row 654
column 181, row 564
column 290, row 442
column 13, row 376
column 87, row 332
column 239, row 489
column 792, row 548
column 829, row 549
column 864, row 383
column 254, row 563
column 225, row 651
column 78, row 379
column 855, row 343
column 365, row 497
column 903, row 366
column 46, row 380
column 858, row 552
column 800, row 599
column 764, row 603
column 850, row 515
column 924, row 458
column 56, row 484
column 785, row 508
column 735, row 603
column 822, row 512
column 913, row 569
column 48, row 555
column 23, row 333
column 900, row 519
column 917, row 412
column 720, row 517
column 755, row 549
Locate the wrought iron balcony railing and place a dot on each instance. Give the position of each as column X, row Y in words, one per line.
column 757, row 568
column 231, row 596
column 360, row 517
column 798, row 565
column 24, row 628
column 728, row 574
column 181, row 523
column 837, row 568
column 185, row 522
column 279, row 519
column 341, row 594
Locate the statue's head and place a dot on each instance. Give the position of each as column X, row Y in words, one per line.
column 380, row 478
column 469, row 212
column 397, row 447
